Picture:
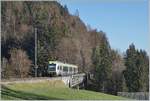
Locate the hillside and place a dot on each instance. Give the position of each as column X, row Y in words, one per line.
column 55, row 90
column 61, row 36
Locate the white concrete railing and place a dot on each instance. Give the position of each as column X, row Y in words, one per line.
column 76, row 79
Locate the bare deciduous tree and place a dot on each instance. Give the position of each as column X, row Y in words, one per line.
column 20, row 63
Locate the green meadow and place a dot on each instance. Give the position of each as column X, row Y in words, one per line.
column 50, row 90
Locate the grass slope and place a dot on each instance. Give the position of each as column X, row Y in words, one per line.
column 50, row 90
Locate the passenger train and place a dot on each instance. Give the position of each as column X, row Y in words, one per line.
column 56, row 68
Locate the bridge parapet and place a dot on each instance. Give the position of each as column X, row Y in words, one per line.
column 77, row 79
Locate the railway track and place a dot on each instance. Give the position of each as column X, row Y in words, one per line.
column 29, row 80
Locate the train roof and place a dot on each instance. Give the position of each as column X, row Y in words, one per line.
column 64, row 64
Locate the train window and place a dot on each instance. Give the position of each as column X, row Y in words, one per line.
column 75, row 70
column 51, row 67
column 65, row 68
column 70, row 68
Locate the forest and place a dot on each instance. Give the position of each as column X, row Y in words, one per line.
column 64, row 37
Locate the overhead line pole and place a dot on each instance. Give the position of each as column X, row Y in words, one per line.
column 36, row 66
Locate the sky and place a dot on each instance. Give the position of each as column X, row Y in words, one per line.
column 123, row 21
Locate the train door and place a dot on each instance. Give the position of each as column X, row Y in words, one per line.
column 61, row 70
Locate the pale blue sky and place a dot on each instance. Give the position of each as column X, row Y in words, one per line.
column 123, row 21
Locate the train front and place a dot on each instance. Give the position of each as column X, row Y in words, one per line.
column 51, row 69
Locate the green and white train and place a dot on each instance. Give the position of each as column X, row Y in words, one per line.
column 61, row 69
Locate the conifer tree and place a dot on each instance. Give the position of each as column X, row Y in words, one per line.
column 131, row 70
column 102, row 63
column 136, row 73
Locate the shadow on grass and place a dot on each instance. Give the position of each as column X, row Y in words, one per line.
column 24, row 95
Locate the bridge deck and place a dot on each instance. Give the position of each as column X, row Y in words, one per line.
column 71, row 80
